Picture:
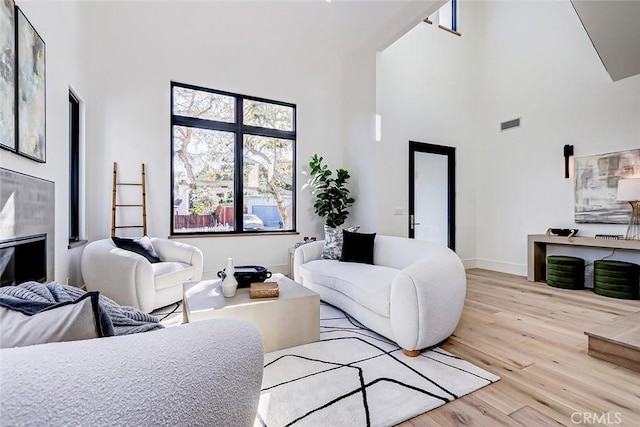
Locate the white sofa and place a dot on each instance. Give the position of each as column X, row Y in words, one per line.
column 413, row 294
column 198, row 374
column 130, row 279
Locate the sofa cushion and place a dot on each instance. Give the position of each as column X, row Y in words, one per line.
column 167, row 274
column 333, row 241
column 357, row 247
column 67, row 321
column 141, row 246
column 368, row 285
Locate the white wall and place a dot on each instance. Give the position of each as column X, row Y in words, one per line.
column 515, row 59
column 120, row 56
column 61, row 27
column 538, row 63
column 365, row 157
column 138, row 50
column 359, row 135
column 426, row 92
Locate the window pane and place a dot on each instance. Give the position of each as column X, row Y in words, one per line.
column 266, row 115
column 203, row 105
column 203, row 183
column 444, row 17
column 268, row 183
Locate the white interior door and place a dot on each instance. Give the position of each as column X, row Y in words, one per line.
column 431, row 197
column 432, row 193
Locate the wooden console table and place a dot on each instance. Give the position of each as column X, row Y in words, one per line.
column 537, row 250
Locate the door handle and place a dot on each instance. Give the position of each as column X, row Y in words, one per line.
column 412, row 222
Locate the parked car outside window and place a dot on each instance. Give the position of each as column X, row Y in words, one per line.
column 252, row 222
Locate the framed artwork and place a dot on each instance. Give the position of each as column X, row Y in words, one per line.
column 31, row 90
column 7, row 75
column 596, row 186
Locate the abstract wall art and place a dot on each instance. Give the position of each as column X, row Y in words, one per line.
column 31, row 90
column 596, row 186
column 7, row 75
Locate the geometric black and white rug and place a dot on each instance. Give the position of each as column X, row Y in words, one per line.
column 355, row 377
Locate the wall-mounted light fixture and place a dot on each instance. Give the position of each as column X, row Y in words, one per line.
column 378, row 127
column 568, row 153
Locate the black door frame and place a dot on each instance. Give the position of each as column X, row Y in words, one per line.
column 450, row 152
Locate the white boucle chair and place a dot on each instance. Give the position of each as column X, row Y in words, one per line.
column 205, row 373
column 130, row 279
column 413, row 294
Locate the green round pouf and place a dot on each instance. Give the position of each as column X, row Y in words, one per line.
column 616, row 279
column 565, row 272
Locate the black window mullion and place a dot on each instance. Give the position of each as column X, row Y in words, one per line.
column 271, row 133
column 238, row 200
column 203, row 123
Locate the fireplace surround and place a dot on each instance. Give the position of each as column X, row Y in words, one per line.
column 27, row 208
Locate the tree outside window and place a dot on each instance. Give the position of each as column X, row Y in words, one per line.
column 233, row 162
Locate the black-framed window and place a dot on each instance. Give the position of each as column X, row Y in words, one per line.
column 232, row 162
column 74, row 168
column 447, row 17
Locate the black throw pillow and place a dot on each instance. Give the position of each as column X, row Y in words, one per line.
column 142, row 246
column 357, row 247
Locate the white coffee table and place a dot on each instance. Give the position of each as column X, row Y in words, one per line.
column 289, row 320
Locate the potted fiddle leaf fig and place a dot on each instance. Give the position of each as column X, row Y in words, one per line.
column 332, row 195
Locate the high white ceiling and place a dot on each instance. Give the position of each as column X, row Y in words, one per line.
column 342, row 26
column 614, row 29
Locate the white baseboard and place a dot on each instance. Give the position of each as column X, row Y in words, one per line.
column 503, row 267
column 470, row 263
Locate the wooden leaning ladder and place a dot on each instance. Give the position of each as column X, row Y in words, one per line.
column 115, row 205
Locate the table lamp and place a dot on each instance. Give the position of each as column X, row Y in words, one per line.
column 629, row 191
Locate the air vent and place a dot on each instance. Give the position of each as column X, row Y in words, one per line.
column 515, row 123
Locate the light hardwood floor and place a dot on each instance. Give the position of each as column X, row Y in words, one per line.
column 532, row 336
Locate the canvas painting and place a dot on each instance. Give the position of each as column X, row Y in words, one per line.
column 597, row 186
column 31, row 91
column 7, row 75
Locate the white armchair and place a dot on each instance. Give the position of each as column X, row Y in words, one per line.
column 130, row 279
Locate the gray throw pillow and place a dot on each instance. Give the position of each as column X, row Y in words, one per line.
column 333, row 241
column 64, row 322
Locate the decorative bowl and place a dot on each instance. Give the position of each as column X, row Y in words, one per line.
column 564, row 231
column 247, row 274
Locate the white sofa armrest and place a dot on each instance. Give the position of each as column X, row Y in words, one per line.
column 122, row 275
column 204, row 373
column 427, row 298
column 170, row 250
column 305, row 253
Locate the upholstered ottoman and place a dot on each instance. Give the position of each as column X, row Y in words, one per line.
column 565, row 272
column 617, row 279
